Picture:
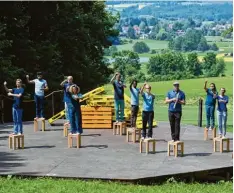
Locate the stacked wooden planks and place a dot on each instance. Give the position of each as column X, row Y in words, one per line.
column 96, row 117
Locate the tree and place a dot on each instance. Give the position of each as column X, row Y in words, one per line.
column 214, row 47
column 203, row 46
column 193, row 66
column 131, row 33
column 127, row 63
column 58, row 38
column 142, row 25
column 141, row 47
column 209, row 62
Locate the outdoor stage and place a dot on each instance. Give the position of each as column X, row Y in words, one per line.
column 105, row 156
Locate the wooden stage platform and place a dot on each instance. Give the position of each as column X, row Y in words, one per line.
column 105, row 156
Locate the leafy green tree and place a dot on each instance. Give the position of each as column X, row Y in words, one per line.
column 214, row 47
column 131, row 33
column 203, row 46
column 209, row 62
column 193, row 66
column 142, row 25
column 141, row 47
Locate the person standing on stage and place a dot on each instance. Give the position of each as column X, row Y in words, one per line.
column 148, row 110
column 175, row 98
column 17, row 110
column 40, row 87
column 210, row 105
column 134, row 91
column 222, row 112
column 119, row 96
column 66, row 99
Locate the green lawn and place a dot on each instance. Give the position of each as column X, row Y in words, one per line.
column 153, row 44
column 229, row 68
column 76, row 186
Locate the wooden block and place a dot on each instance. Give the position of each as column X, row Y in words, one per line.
column 36, row 124
column 43, row 124
column 134, row 133
column 221, row 142
column 175, row 146
column 76, row 137
column 147, row 144
column 65, row 129
column 205, row 133
column 16, row 141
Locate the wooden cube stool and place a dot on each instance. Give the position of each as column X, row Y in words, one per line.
column 206, row 131
column 65, row 129
column 36, row 124
column 221, row 141
column 76, row 137
column 175, row 145
column 135, row 133
column 119, row 128
column 16, row 141
column 147, row 142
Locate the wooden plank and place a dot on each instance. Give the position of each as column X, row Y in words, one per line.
column 96, row 121
column 95, row 108
column 96, row 117
column 97, row 126
column 97, row 113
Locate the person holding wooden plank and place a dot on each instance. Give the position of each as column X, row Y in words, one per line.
column 175, row 98
column 148, row 110
column 17, row 110
column 119, row 96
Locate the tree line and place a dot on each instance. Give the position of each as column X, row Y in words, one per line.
column 57, row 38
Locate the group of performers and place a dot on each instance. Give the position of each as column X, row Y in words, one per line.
column 175, row 98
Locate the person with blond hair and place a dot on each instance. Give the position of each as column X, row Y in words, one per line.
column 17, row 110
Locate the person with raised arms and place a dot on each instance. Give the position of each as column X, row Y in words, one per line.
column 134, row 91
column 66, row 99
column 40, row 87
column 148, row 110
column 17, row 110
column 118, row 96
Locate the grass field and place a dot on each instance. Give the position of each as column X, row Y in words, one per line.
column 72, row 186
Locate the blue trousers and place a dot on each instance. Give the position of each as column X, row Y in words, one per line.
column 75, row 118
column 17, row 119
column 119, row 110
column 66, row 112
column 210, row 118
column 39, row 100
column 222, row 122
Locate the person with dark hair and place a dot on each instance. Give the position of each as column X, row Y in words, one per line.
column 222, row 112
column 210, row 105
column 134, row 91
column 40, row 87
column 17, row 110
column 119, row 96
column 148, row 110
column 175, row 98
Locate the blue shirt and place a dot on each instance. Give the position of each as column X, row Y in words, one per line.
column 18, row 100
column 39, row 85
column 210, row 99
column 66, row 97
column 134, row 96
column 119, row 90
column 173, row 94
column 148, row 101
column 222, row 106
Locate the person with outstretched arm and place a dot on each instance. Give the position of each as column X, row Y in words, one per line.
column 66, row 99
column 118, row 96
column 210, row 105
column 148, row 110
column 17, row 110
column 175, row 98
column 134, row 91
column 40, row 87
column 222, row 112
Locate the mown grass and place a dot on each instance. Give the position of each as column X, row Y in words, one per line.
column 48, row 185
